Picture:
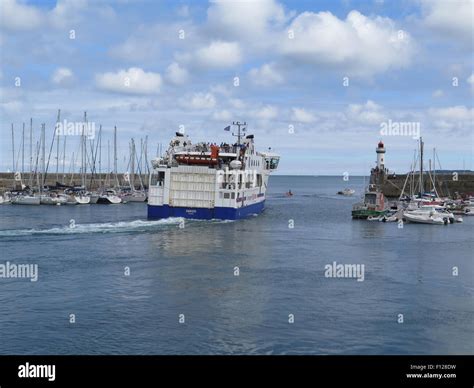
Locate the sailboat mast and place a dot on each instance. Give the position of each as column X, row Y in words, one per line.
column 115, row 156
column 108, row 163
column 99, row 141
column 132, row 164
column 422, row 187
column 13, row 149
column 23, row 150
column 434, row 169
column 31, row 144
column 64, row 156
column 57, row 145
column 43, row 154
column 31, row 152
column 147, row 170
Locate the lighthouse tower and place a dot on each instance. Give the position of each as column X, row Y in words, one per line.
column 380, row 156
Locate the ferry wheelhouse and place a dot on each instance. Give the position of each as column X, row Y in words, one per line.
column 210, row 181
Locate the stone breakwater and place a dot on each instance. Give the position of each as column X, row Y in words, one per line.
column 447, row 184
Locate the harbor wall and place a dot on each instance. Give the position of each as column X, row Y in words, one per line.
column 7, row 180
column 447, row 184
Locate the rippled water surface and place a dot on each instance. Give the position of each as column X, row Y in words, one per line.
column 190, row 271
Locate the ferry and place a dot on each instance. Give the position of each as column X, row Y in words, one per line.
column 210, row 181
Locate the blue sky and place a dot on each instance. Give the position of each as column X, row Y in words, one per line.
column 316, row 79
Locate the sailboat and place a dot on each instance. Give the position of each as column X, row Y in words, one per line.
column 53, row 199
column 5, row 199
column 130, row 194
column 25, row 199
column 109, row 197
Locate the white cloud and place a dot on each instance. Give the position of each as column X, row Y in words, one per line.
column 183, row 11
column 17, row 16
column 438, row 93
column 301, row 115
column 62, row 76
column 459, row 112
column 201, row 101
column 219, row 54
column 139, row 46
column 134, row 81
column 237, row 103
column 223, row 115
column 248, row 20
column 268, row 112
column 359, row 44
column 470, row 80
column 451, row 118
column 10, row 107
column 266, row 75
column 176, row 74
column 366, row 114
column 453, row 18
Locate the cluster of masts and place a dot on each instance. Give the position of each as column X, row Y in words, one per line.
column 49, row 159
column 414, row 204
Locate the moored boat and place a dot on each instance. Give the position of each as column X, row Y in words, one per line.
column 425, row 217
column 26, row 199
column 133, row 196
column 373, row 205
column 53, row 199
column 109, row 197
column 5, row 199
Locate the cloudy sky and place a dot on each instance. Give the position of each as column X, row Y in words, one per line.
column 315, row 80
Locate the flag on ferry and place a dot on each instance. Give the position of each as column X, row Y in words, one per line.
column 227, row 128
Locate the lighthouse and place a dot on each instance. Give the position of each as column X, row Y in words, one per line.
column 380, row 156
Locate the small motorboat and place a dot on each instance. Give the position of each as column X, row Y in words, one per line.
column 134, row 196
column 109, row 197
column 425, row 217
column 289, row 193
column 347, row 192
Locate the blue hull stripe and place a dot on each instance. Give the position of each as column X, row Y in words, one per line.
column 221, row 213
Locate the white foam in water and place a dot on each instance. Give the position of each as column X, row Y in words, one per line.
column 106, row 227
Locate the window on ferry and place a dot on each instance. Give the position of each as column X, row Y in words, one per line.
column 153, row 179
column 232, row 195
column 226, row 195
column 259, row 180
column 274, row 163
column 157, row 178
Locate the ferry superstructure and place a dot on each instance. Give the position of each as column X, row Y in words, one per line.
column 210, row 181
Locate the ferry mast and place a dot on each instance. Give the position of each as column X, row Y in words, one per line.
column 240, row 132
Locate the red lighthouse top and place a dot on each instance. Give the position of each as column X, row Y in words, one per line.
column 380, row 144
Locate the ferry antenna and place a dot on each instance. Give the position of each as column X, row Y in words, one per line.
column 240, row 132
